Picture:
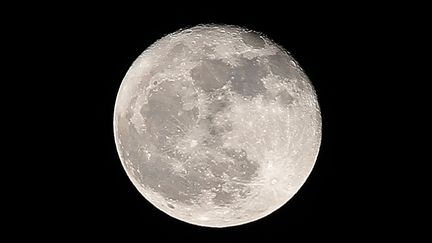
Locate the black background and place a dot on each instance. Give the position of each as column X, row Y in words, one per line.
column 81, row 54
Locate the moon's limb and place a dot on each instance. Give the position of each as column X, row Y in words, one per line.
column 217, row 125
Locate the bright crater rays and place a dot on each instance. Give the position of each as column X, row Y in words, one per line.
column 217, row 125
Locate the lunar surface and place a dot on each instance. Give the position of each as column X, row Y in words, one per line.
column 217, row 125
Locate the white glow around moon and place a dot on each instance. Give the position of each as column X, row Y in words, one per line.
column 217, row 125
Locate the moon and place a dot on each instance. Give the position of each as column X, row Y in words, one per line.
column 217, row 125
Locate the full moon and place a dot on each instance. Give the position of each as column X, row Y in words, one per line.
column 217, row 125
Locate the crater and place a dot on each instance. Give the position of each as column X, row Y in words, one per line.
column 253, row 39
column 284, row 98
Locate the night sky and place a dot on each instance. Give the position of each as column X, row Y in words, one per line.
column 82, row 54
